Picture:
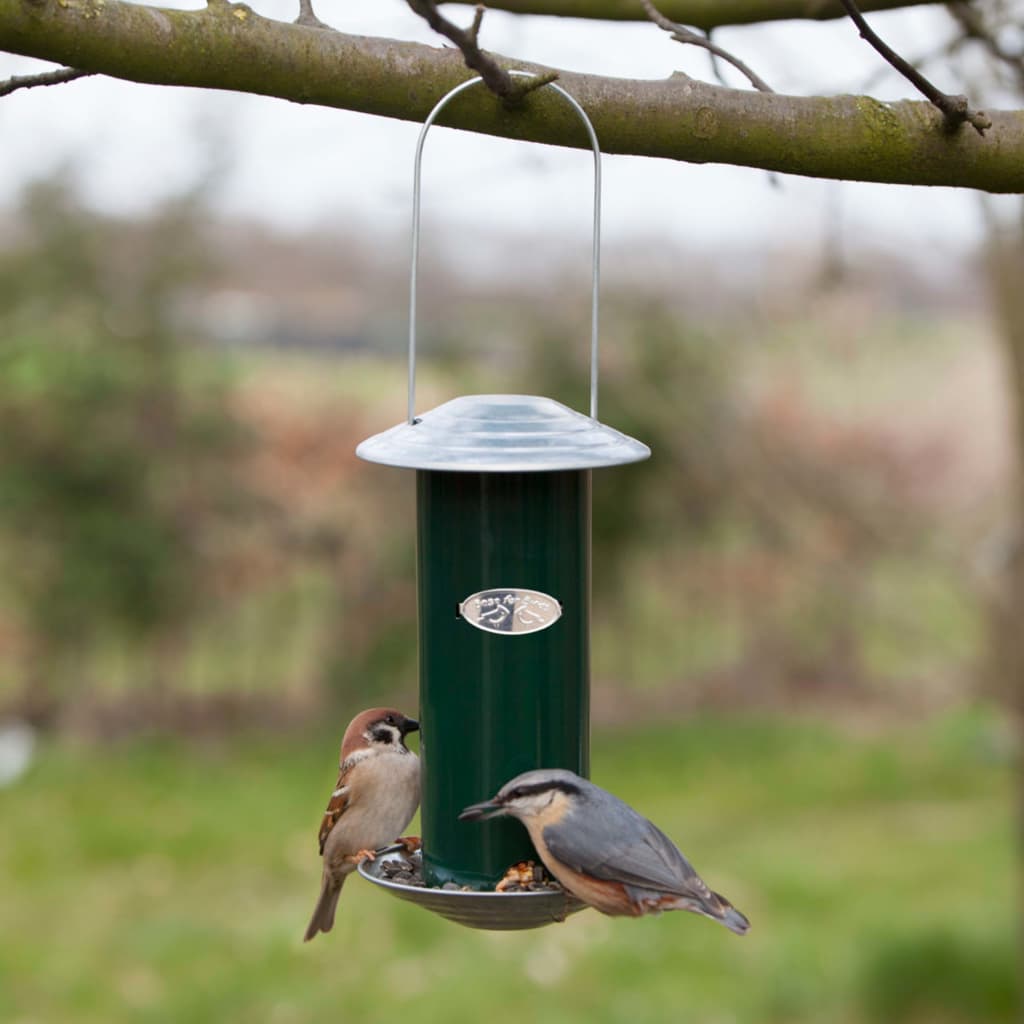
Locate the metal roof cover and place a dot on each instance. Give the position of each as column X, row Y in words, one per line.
column 502, row 434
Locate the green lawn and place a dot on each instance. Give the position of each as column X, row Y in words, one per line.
column 172, row 882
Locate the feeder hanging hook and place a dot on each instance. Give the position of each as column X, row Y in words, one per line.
column 596, row 259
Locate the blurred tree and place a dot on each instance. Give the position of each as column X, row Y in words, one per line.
column 741, row 510
column 1005, row 676
column 671, row 386
column 115, row 466
column 1006, row 664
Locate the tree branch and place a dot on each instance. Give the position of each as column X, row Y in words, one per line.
column 495, row 77
column 227, row 46
column 955, row 109
column 703, row 14
column 681, row 34
column 944, row 51
column 58, row 77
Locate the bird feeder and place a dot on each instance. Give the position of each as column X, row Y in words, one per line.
column 503, row 572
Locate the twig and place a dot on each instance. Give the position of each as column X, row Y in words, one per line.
column 685, row 35
column 716, row 64
column 47, row 78
column 955, row 109
column 496, row 78
column 716, row 54
column 921, row 61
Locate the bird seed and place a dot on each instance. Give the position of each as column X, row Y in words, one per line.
column 409, row 872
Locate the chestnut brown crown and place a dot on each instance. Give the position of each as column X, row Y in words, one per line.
column 386, row 726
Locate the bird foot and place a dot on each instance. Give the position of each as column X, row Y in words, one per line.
column 410, row 843
column 520, row 874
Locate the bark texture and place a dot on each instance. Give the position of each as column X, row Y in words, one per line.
column 227, row 46
column 706, row 14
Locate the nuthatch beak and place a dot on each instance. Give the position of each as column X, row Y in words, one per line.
column 483, row 811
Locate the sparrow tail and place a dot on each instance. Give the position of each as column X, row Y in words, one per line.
column 323, row 914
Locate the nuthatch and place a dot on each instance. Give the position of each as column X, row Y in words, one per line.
column 377, row 794
column 602, row 851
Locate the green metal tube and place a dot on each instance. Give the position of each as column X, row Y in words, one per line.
column 493, row 705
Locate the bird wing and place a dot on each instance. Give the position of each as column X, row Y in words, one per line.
column 608, row 840
column 336, row 807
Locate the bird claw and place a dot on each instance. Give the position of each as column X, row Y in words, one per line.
column 360, row 855
column 410, row 843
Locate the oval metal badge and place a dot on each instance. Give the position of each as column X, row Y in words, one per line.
column 510, row 611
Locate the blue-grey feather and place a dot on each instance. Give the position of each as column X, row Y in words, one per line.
column 605, row 838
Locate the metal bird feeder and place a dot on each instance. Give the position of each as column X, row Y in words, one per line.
column 503, row 517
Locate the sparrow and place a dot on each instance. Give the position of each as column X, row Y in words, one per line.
column 602, row 851
column 377, row 794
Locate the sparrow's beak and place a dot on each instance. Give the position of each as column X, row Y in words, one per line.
column 482, row 811
column 410, row 725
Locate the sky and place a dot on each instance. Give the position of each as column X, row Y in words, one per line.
column 298, row 167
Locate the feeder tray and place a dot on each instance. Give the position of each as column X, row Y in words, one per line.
column 492, row 911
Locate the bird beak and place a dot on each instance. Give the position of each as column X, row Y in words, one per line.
column 482, row 811
column 410, row 725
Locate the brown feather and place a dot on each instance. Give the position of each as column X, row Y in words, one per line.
column 610, row 898
column 323, row 914
column 336, row 807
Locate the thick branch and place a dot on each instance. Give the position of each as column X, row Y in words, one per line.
column 705, row 14
column 226, row 46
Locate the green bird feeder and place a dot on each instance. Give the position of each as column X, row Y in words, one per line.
column 503, row 571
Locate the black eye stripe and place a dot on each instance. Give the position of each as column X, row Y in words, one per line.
column 543, row 787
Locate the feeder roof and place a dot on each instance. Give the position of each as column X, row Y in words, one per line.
column 502, row 434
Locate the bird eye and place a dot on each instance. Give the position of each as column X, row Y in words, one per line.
column 390, row 719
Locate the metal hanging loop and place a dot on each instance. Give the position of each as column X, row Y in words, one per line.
column 596, row 276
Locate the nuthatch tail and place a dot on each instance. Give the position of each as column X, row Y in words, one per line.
column 602, row 851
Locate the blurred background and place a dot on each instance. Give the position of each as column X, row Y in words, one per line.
column 807, row 655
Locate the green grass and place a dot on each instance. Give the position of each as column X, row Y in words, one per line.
column 168, row 882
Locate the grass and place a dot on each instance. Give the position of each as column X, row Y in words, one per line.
column 164, row 881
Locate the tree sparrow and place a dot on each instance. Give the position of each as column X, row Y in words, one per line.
column 377, row 794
